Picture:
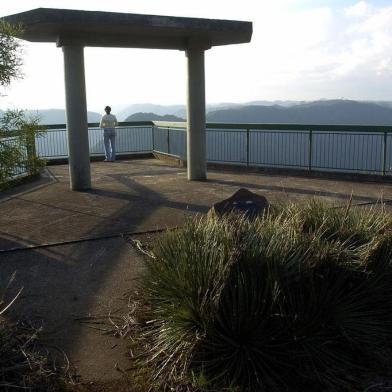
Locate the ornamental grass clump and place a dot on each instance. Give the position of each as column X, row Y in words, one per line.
column 354, row 226
column 295, row 300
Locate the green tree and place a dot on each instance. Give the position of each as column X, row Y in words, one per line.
column 17, row 145
column 17, row 132
column 10, row 53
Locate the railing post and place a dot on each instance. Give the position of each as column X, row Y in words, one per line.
column 310, row 150
column 247, row 147
column 168, row 140
column 31, row 152
column 153, row 137
column 384, row 155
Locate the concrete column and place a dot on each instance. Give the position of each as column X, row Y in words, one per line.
column 196, row 115
column 76, row 115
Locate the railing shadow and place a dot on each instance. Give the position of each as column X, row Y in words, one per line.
column 152, row 198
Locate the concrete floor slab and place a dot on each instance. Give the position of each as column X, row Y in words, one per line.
column 67, row 281
column 146, row 194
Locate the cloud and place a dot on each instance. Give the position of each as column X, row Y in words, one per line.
column 369, row 42
column 336, row 47
column 298, row 51
column 358, row 10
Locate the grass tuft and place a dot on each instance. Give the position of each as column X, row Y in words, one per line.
column 298, row 299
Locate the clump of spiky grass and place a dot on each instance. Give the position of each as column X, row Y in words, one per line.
column 289, row 301
column 352, row 225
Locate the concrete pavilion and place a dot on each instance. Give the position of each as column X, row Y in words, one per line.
column 74, row 29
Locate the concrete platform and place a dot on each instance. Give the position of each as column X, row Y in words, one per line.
column 88, row 268
column 139, row 195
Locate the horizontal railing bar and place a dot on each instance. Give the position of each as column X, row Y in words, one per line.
column 170, row 124
column 96, row 125
column 302, row 127
column 283, row 127
column 250, row 126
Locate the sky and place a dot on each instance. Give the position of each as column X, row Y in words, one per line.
column 300, row 50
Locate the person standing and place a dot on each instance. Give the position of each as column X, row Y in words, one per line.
column 108, row 124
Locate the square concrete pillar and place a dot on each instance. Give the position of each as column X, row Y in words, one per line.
column 76, row 118
column 196, row 115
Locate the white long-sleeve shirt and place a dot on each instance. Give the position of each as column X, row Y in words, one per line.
column 108, row 121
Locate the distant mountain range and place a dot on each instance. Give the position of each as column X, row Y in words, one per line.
column 161, row 110
column 319, row 112
column 297, row 112
column 180, row 110
column 294, row 112
column 153, row 117
column 55, row 116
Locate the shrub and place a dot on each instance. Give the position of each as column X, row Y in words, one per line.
column 355, row 227
column 294, row 300
column 17, row 146
column 10, row 53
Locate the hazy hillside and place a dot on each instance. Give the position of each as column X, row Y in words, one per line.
column 57, row 116
column 180, row 110
column 273, row 103
column 319, row 112
column 161, row 110
column 153, row 117
column 387, row 104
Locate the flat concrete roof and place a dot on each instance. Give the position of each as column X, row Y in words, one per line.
column 112, row 29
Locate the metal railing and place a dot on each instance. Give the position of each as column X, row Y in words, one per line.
column 15, row 170
column 131, row 138
column 341, row 148
column 337, row 148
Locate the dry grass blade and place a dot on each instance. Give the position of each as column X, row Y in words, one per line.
column 11, row 302
column 25, row 362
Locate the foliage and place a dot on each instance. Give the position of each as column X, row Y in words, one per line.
column 10, row 53
column 355, row 228
column 299, row 299
column 17, row 133
column 17, row 145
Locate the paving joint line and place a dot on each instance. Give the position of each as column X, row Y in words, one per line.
column 86, row 239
